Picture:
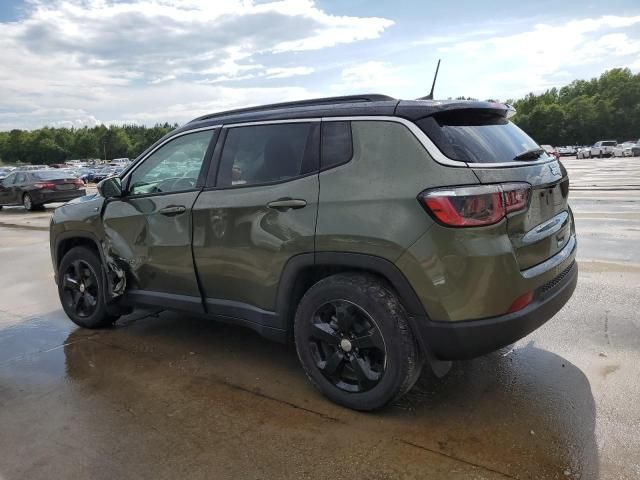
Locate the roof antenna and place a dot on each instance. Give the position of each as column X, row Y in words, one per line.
column 433, row 85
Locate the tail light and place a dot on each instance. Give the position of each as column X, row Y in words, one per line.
column 45, row 185
column 78, row 183
column 476, row 205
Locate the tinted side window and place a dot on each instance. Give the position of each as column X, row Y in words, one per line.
column 337, row 146
column 9, row 180
column 268, row 153
column 173, row 167
column 20, row 178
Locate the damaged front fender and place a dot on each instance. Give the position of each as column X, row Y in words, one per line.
column 116, row 277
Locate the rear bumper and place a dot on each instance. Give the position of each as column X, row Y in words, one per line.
column 468, row 339
column 51, row 196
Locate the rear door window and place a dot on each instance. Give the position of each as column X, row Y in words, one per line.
column 260, row 154
column 477, row 136
column 337, row 144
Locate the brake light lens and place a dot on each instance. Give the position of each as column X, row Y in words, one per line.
column 521, row 302
column 466, row 210
column 516, row 197
column 45, row 185
column 477, row 205
column 78, row 183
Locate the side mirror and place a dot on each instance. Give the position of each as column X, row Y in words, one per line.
column 110, row 187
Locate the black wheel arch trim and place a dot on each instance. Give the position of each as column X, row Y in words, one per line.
column 70, row 234
column 417, row 314
column 357, row 261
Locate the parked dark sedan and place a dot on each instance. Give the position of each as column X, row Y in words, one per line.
column 103, row 173
column 36, row 188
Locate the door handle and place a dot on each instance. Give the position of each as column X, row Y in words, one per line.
column 284, row 204
column 172, row 210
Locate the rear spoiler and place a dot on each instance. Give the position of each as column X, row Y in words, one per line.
column 415, row 109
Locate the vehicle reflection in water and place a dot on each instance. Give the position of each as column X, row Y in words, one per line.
column 266, row 228
column 240, row 251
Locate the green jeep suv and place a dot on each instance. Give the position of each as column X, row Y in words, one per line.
column 378, row 234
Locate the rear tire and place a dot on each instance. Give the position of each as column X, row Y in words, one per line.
column 81, row 288
column 354, row 341
column 27, row 202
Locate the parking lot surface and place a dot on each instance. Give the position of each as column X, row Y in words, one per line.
column 163, row 395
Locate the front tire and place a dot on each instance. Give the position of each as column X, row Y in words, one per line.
column 354, row 341
column 81, row 288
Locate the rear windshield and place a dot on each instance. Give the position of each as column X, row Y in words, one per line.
column 477, row 136
column 51, row 175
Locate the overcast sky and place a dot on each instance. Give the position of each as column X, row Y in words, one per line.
column 77, row 62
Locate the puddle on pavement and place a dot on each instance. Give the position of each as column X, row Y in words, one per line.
column 26, row 337
column 524, row 412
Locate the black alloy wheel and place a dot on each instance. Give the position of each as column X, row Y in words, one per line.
column 354, row 341
column 347, row 346
column 80, row 288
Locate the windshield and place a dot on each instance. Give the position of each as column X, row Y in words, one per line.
column 478, row 136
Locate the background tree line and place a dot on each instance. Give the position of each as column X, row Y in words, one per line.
column 55, row 145
column 581, row 113
column 585, row 111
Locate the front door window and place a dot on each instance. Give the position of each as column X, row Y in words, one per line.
column 174, row 167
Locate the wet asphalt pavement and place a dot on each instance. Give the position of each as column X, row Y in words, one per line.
column 162, row 395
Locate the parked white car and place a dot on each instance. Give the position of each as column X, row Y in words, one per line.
column 76, row 163
column 119, row 162
column 566, row 151
column 583, row 152
column 603, row 148
column 623, row 149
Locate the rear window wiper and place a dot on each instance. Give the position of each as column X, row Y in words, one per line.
column 532, row 154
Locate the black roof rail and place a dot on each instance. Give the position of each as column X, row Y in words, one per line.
column 368, row 97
